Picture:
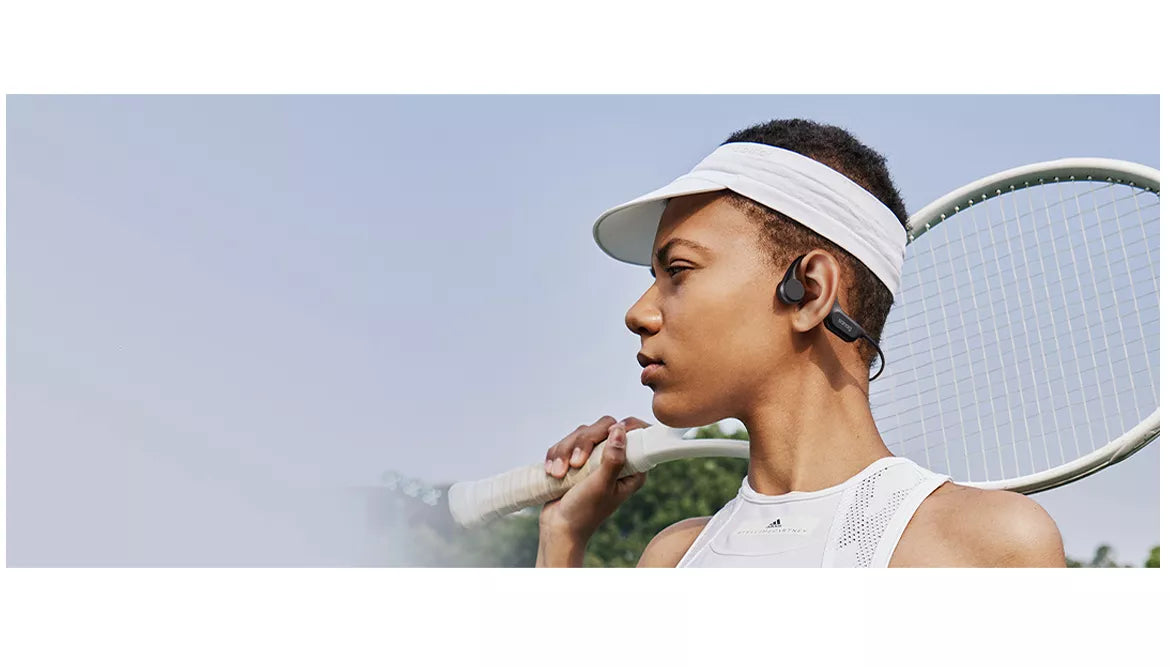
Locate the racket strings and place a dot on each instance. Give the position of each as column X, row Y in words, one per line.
column 1129, row 274
column 1142, row 226
column 1045, row 354
column 1097, row 254
column 1022, row 329
column 938, row 403
column 1018, row 233
column 909, row 289
column 955, row 406
column 1098, row 310
column 977, row 293
column 1071, row 322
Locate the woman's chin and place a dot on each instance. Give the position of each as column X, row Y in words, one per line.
column 670, row 412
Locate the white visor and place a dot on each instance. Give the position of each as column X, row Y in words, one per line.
column 801, row 188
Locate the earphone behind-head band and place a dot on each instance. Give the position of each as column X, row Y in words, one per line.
column 791, row 290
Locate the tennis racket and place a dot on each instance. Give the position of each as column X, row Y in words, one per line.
column 1023, row 345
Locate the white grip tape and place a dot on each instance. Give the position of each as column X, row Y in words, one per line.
column 476, row 503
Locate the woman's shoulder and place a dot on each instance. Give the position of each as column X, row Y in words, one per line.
column 963, row 526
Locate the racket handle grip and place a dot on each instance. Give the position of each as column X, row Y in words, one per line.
column 476, row 503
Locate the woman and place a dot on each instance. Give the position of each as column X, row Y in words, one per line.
column 788, row 226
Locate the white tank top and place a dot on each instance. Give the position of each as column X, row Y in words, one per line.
column 856, row 523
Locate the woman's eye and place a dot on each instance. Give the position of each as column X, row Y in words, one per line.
column 672, row 270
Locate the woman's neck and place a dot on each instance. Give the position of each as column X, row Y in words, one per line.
column 827, row 439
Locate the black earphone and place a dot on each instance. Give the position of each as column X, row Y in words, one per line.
column 791, row 291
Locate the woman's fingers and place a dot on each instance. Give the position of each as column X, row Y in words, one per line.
column 574, row 449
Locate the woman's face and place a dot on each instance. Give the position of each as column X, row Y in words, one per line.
column 711, row 315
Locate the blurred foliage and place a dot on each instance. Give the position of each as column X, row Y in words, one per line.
column 1104, row 557
column 407, row 533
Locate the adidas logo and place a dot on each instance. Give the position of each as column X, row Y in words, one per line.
column 777, row 527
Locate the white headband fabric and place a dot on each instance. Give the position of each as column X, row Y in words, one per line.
column 805, row 190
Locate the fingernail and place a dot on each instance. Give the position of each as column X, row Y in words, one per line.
column 559, row 467
column 547, row 467
column 578, row 456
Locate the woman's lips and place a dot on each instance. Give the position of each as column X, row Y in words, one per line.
column 650, row 371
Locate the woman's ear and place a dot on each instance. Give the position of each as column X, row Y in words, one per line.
column 821, row 276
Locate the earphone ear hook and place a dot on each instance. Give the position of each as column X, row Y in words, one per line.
column 791, row 291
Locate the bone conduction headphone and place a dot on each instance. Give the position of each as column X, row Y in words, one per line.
column 791, row 291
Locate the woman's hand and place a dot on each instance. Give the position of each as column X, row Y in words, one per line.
column 567, row 524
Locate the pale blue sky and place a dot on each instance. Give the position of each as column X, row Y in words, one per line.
column 213, row 300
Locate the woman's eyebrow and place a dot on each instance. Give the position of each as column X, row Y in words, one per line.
column 662, row 252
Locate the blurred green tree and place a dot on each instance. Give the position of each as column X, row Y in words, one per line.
column 1104, row 557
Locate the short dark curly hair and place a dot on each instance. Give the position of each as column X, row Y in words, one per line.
column 866, row 298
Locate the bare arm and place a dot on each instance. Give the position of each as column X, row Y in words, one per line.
column 559, row 548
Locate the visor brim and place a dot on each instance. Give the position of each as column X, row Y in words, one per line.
column 626, row 232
